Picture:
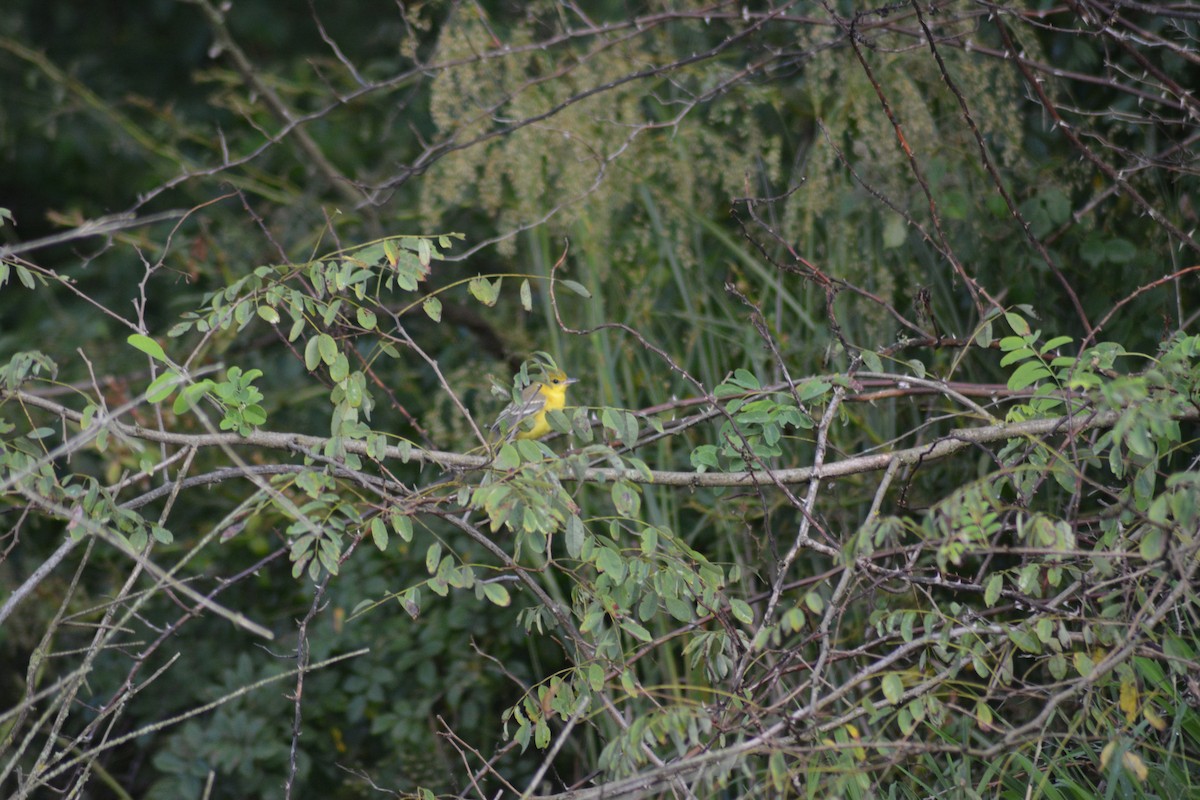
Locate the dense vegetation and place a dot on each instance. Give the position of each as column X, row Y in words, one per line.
column 880, row 477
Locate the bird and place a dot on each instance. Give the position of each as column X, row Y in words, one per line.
column 526, row 418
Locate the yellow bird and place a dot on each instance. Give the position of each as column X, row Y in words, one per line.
column 527, row 417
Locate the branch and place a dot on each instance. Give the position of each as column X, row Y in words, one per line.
column 42, row 777
column 257, row 86
column 942, row 447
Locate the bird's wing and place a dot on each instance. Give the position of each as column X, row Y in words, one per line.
column 531, row 402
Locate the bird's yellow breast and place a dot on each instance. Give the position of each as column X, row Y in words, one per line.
column 526, row 419
column 551, row 397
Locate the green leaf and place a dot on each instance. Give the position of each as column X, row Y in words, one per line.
column 591, row 620
column 328, row 559
column 745, row 379
column 1010, row 343
column 1025, row 640
column 636, row 631
column 983, row 713
column 312, row 353
column 815, row 602
column 1058, row 666
column 241, row 313
column 484, row 290
column 609, row 562
column 432, row 556
column 191, row 395
column 895, row 232
column 1056, row 342
column 813, row 388
column 679, row 609
column 649, row 539
column 1154, row 543
column 497, row 594
column 983, row 336
column 1018, row 324
column 327, row 347
column 369, row 254
column 331, row 311
column 526, row 295
column 1017, row 355
column 1028, row 373
column 741, row 611
column 992, row 593
column 871, row 360
column 432, row 308
column 162, row 386
column 893, row 688
column 148, row 346
column 1178, row 651
column 575, row 535
column 1057, row 205
column 353, row 386
column 626, row 498
column 268, row 314
column 402, row 525
column 339, row 370
column 508, row 457
column 704, row 457
column 25, row 276
column 379, row 533
column 366, row 319
column 793, row 620
column 576, row 287
column 648, row 607
column 622, row 423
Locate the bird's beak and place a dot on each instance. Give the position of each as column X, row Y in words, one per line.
column 572, row 380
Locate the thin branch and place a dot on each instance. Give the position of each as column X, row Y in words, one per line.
column 939, row 448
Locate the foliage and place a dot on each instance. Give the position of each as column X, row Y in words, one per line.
column 880, row 477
